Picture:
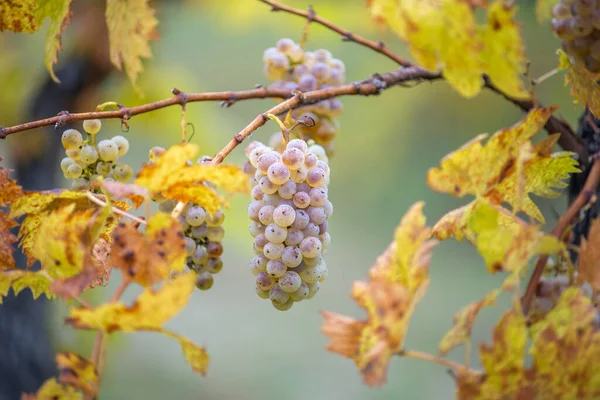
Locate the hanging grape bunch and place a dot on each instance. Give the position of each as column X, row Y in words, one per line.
column 289, row 217
column 577, row 24
column 292, row 68
column 87, row 160
column 203, row 234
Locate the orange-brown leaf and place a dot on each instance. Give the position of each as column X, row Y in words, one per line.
column 119, row 190
column 589, row 257
column 584, row 85
column 150, row 257
column 18, row 16
column 9, row 190
column 7, row 241
column 77, row 372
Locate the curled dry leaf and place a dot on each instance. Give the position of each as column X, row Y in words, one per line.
column 77, row 372
column 149, row 257
column 397, row 282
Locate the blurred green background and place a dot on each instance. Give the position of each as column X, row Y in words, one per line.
column 386, row 146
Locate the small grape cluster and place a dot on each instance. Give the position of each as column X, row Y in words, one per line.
column 577, row 24
column 289, row 218
column 87, row 160
column 292, row 68
column 203, row 234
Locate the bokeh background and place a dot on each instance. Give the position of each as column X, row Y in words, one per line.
column 385, row 148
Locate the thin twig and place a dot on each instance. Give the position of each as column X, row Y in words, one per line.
column 101, row 203
column 431, row 358
column 311, row 16
column 588, row 191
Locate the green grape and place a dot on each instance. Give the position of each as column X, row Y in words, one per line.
column 313, row 288
column 258, row 264
column 73, row 171
column 294, row 237
column 317, row 215
column 311, row 247
column 92, row 126
column 273, row 251
column 257, row 193
column 267, row 186
column 290, row 282
column 293, row 158
column 321, row 71
column 214, row 265
column 190, row 246
column 299, row 175
column 195, row 216
column 323, row 55
column 291, row 257
column 263, row 294
column 301, row 293
column 167, row 206
column 200, row 255
column 277, row 295
column 215, row 219
column 316, row 178
column 337, row 65
column 285, row 45
column 122, row 172
column 260, row 241
column 266, row 160
column 204, row 280
column 215, row 233
column 103, row 169
column 74, row 154
column 283, row 307
column 108, row 150
column 301, row 199
column 71, row 139
column 276, row 268
column 318, row 151
column 301, row 220
column 66, row 163
column 88, row 155
column 311, row 230
column 275, row 233
column 80, row 184
column 265, row 215
column 278, row 174
column 199, row 232
column 264, row 281
column 122, row 144
column 256, row 228
column 284, row 215
column 296, row 53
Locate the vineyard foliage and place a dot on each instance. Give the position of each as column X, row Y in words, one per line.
column 78, row 236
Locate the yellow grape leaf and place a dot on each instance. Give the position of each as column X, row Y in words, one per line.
column 60, row 16
column 18, row 279
column 476, row 168
column 77, row 372
column 18, row 16
column 503, row 50
column 399, row 279
column 443, row 35
column 131, row 26
column 588, row 269
column 543, row 10
column 194, row 354
column 503, row 362
column 7, row 240
column 540, row 175
column 507, row 247
column 463, row 323
column 9, row 190
column 584, row 85
column 498, row 172
column 150, row 257
column 171, row 176
column 51, row 389
column 406, row 260
column 150, row 310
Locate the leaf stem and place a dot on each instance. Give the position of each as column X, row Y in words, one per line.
column 431, row 358
column 96, row 200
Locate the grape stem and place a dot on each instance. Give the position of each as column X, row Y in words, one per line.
column 101, row 203
column 584, row 197
column 431, row 358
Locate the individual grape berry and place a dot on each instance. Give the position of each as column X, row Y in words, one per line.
column 321, row 71
column 291, row 257
column 253, row 210
column 215, row 249
column 278, row 174
column 317, row 215
column 301, row 199
column 273, row 199
column 166, row 206
column 88, row 154
column 308, row 83
column 195, row 216
column 265, row 161
column 263, row 294
column 122, row 144
column 264, row 281
column 313, row 288
column 273, row 251
column 190, row 246
column 301, row 293
column 337, row 65
column 257, row 193
column 298, row 144
column 311, row 230
column 215, row 233
column 296, row 53
column 285, row 45
column 256, row 228
column 122, row 172
column 265, row 215
column 311, row 247
column 299, row 175
column 275, row 233
column 293, row 158
column 301, row 220
column 323, row 55
column 204, row 280
column 316, row 177
column 312, row 261
column 80, row 184
column 66, row 163
column 200, row 255
column 284, row 215
column 260, row 242
column 318, row 197
column 73, row 171
column 287, row 190
column 294, row 237
column 258, row 264
column 311, row 274
column 103, row 169
column 92, row 126
column 73, row 154
column 277, row 295
column 276, row 268
column 155, row 152
column 267, row 186
column 108, row 150
column 71, row 139
column 214, row 265
column 283, row 306
column 290, row 282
